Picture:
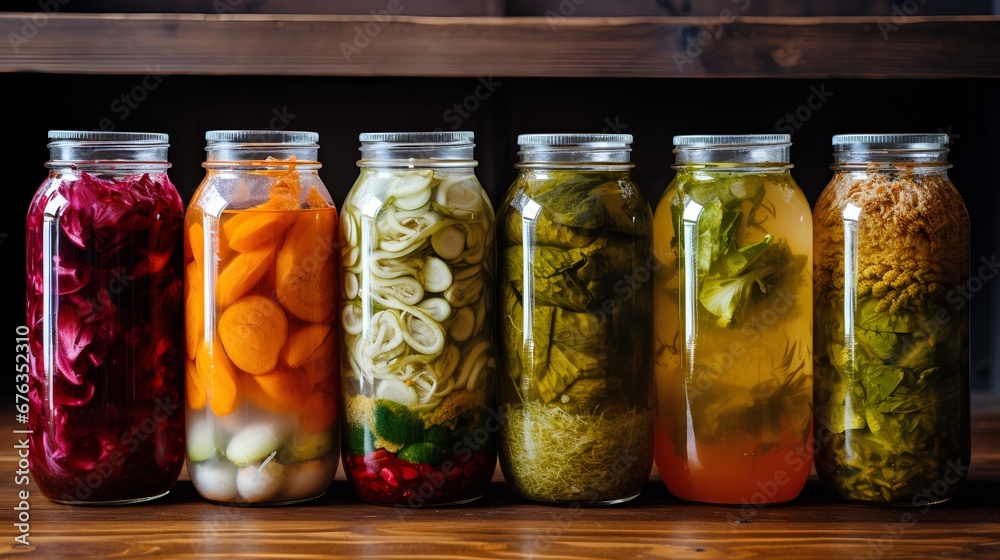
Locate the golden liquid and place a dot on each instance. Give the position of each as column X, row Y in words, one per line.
column 734, row 402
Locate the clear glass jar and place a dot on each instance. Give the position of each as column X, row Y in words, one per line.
column 105, row 318
column 419, row 376
column 576, row 298
column 892, row 259
column 261, row 291
column 733, row 234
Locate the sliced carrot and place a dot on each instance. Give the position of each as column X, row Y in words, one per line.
column 253, row 331
column 250, row 229
column 194, row 245
column 194, row 387
column 220, row 378
column 242, row 273
column 282, row 387
column 319, row 412
column 303, row 342
column 306, row 272
column 322, row 363
column 258, row 396
column 194, row 308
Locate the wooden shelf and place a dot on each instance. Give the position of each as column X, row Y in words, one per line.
column 868, row 47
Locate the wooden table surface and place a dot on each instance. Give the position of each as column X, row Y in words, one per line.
column 655, row 525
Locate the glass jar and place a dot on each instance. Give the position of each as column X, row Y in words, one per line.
column 892, row 258
column 104, row 320
column 576, row 297
column 261, row 291
column 733, row 234
column 419, row 376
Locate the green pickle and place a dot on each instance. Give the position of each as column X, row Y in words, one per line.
column 575, row 336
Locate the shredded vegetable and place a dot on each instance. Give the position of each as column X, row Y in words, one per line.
column 417, row 259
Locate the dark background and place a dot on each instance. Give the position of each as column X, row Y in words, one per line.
column 652, row 110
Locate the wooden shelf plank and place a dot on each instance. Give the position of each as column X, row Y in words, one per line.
column 915, row 47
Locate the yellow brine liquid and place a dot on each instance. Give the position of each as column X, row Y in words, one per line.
column 733, row 314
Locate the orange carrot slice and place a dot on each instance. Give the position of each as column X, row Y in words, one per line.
column 250, row 229
column 253, row 331
column 258, row 396
column 283, row 387
column 319, row 412
column 322, row 363
column 303, row 342
column 194, row 245
column 220, row 378
column 305, row 267
column 194, row 308
column 194, row 387
column 241, row 274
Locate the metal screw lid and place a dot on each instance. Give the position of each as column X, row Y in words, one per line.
column 890, row 141
column 727, row 140
column 438, row 137
column 573, row 139
column 263, row 137
column 108, row 136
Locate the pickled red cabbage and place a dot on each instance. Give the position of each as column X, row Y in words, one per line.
column 113, row 429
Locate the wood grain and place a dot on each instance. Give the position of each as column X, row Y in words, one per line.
column 655, row 525
column 661, row 47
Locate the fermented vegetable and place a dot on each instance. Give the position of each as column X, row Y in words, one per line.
column 418, row 365
column 733, row 315
column 892, row 385
column 106, row 355
column 263, row 397
column 576, row 302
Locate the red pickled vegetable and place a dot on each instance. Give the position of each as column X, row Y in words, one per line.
column 113, row 430
column 382, row 478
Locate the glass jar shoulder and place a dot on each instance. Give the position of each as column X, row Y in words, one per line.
column 45, row 201
column 280, row 188
column 87, row 191
column 703, row 186
column 445, row 195
column 931, row 194
column 577, row 200
column 746, row 206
